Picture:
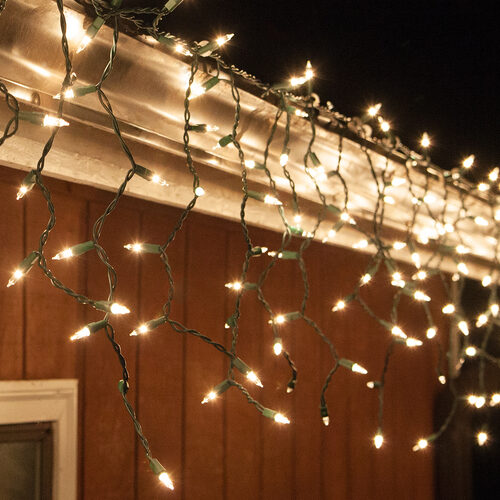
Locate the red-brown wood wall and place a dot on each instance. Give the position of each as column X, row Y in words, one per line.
column 225, row 449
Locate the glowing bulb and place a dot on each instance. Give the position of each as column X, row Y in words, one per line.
column 83, row 44
column 483, row 187
column 425, row 142
column 281, row 419
column 68, row 94
column 250, row 164
column 481, row 437
column 494, row 308
column 495, row 399
column 471, row 351
column 463, row 327
column 480, row 221
column 133, row 247
column 421, row 445
column 158, row 180
column 297, row 218
column 431, row 332
column 482, row 319
column 378, row 440
column 493, row 175
column 253, row 378
column 462, row 268
column 297, row 80
column 442, row 379
column 373, row 110
column 366, row 279
column 16, row 276
column 221, row 40
column 326, row 420
column 165, row 479
column 277, row 347
column 385, row 126
column 22, row 191
column 389, row 200
column 461, row 249
column 199, row 191
column 119, row 309
column 209, row 397
column 448, row 309
column 422, row 275
column 480, row 401
column 419, row 295
column 415, row 257
column 181, row 49
column 280, row 319
column 65, row 254
column 339, row 306
column 398, row 245
column 398, row 181
column 309, row 71
column 360, row 244
column 410, row 342
column 359, row 369
column 53, row 121
column 142, row 329
column 283, row 159
column 370, row 384
column 271, row 200
column 397, row 332
column 486, row 281
column 468, row 162
column 471, row 399
column 235, row 285
column 80, row 334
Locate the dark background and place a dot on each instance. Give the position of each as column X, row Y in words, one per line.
column 433, row 64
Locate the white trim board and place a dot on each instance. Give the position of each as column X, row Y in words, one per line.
column 23, row 401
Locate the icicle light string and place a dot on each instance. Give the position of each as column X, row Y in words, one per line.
column 385, row 184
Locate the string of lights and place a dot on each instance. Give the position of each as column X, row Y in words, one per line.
column 427, row 246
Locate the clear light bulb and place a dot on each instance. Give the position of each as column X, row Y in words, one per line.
column 481, row 221
column 421, row 296
column 482, row 319
column 53, row 121
column 65, row 254
column 411, row 342
column 199, row 191
column 83, row 44
column 250, row 164
column 463, row 327
column 421, row 445
column 471, row 351
column 283, row 159
column 339, row 306
column 442, row 379
column 158, row 180
column 480, row 402
column 422, row 275
column 462, row 268
column 495, row 399
column 396, row 331
column 16, row 276
column 165, row 479
column 221, row 40
column 359, row 369
column 277, row 348
column 235, row 285
column 481, row 437
column 425, row 142
column 134, row 247
column 398, row 245
column 385, row 126
column 119, row 309
column 494, row 308
column 366, row 278
column 281, row 419
column 271, row 200
column 431, row 332
column 448, row 309
column 253, row 378
column 468, row 162
column 493, row 175
column 486, row 281
column 373, row 110
column 309, row 71
column 80, row 334
column 378, row 440
column 297, row 219
column 209, row 397
column 483, row 187
column 22, row 191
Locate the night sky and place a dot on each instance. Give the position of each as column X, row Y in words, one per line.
column 433, row 64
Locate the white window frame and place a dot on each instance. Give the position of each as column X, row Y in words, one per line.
column 55, row 401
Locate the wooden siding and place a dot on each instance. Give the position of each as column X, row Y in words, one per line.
column 223, row 450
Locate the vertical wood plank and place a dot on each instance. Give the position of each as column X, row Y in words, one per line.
column 11, row 299
column 242, row 420
column 205, row 367
column 160, row 364
column 109, row 433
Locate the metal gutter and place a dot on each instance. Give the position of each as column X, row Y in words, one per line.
column 146, row 89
